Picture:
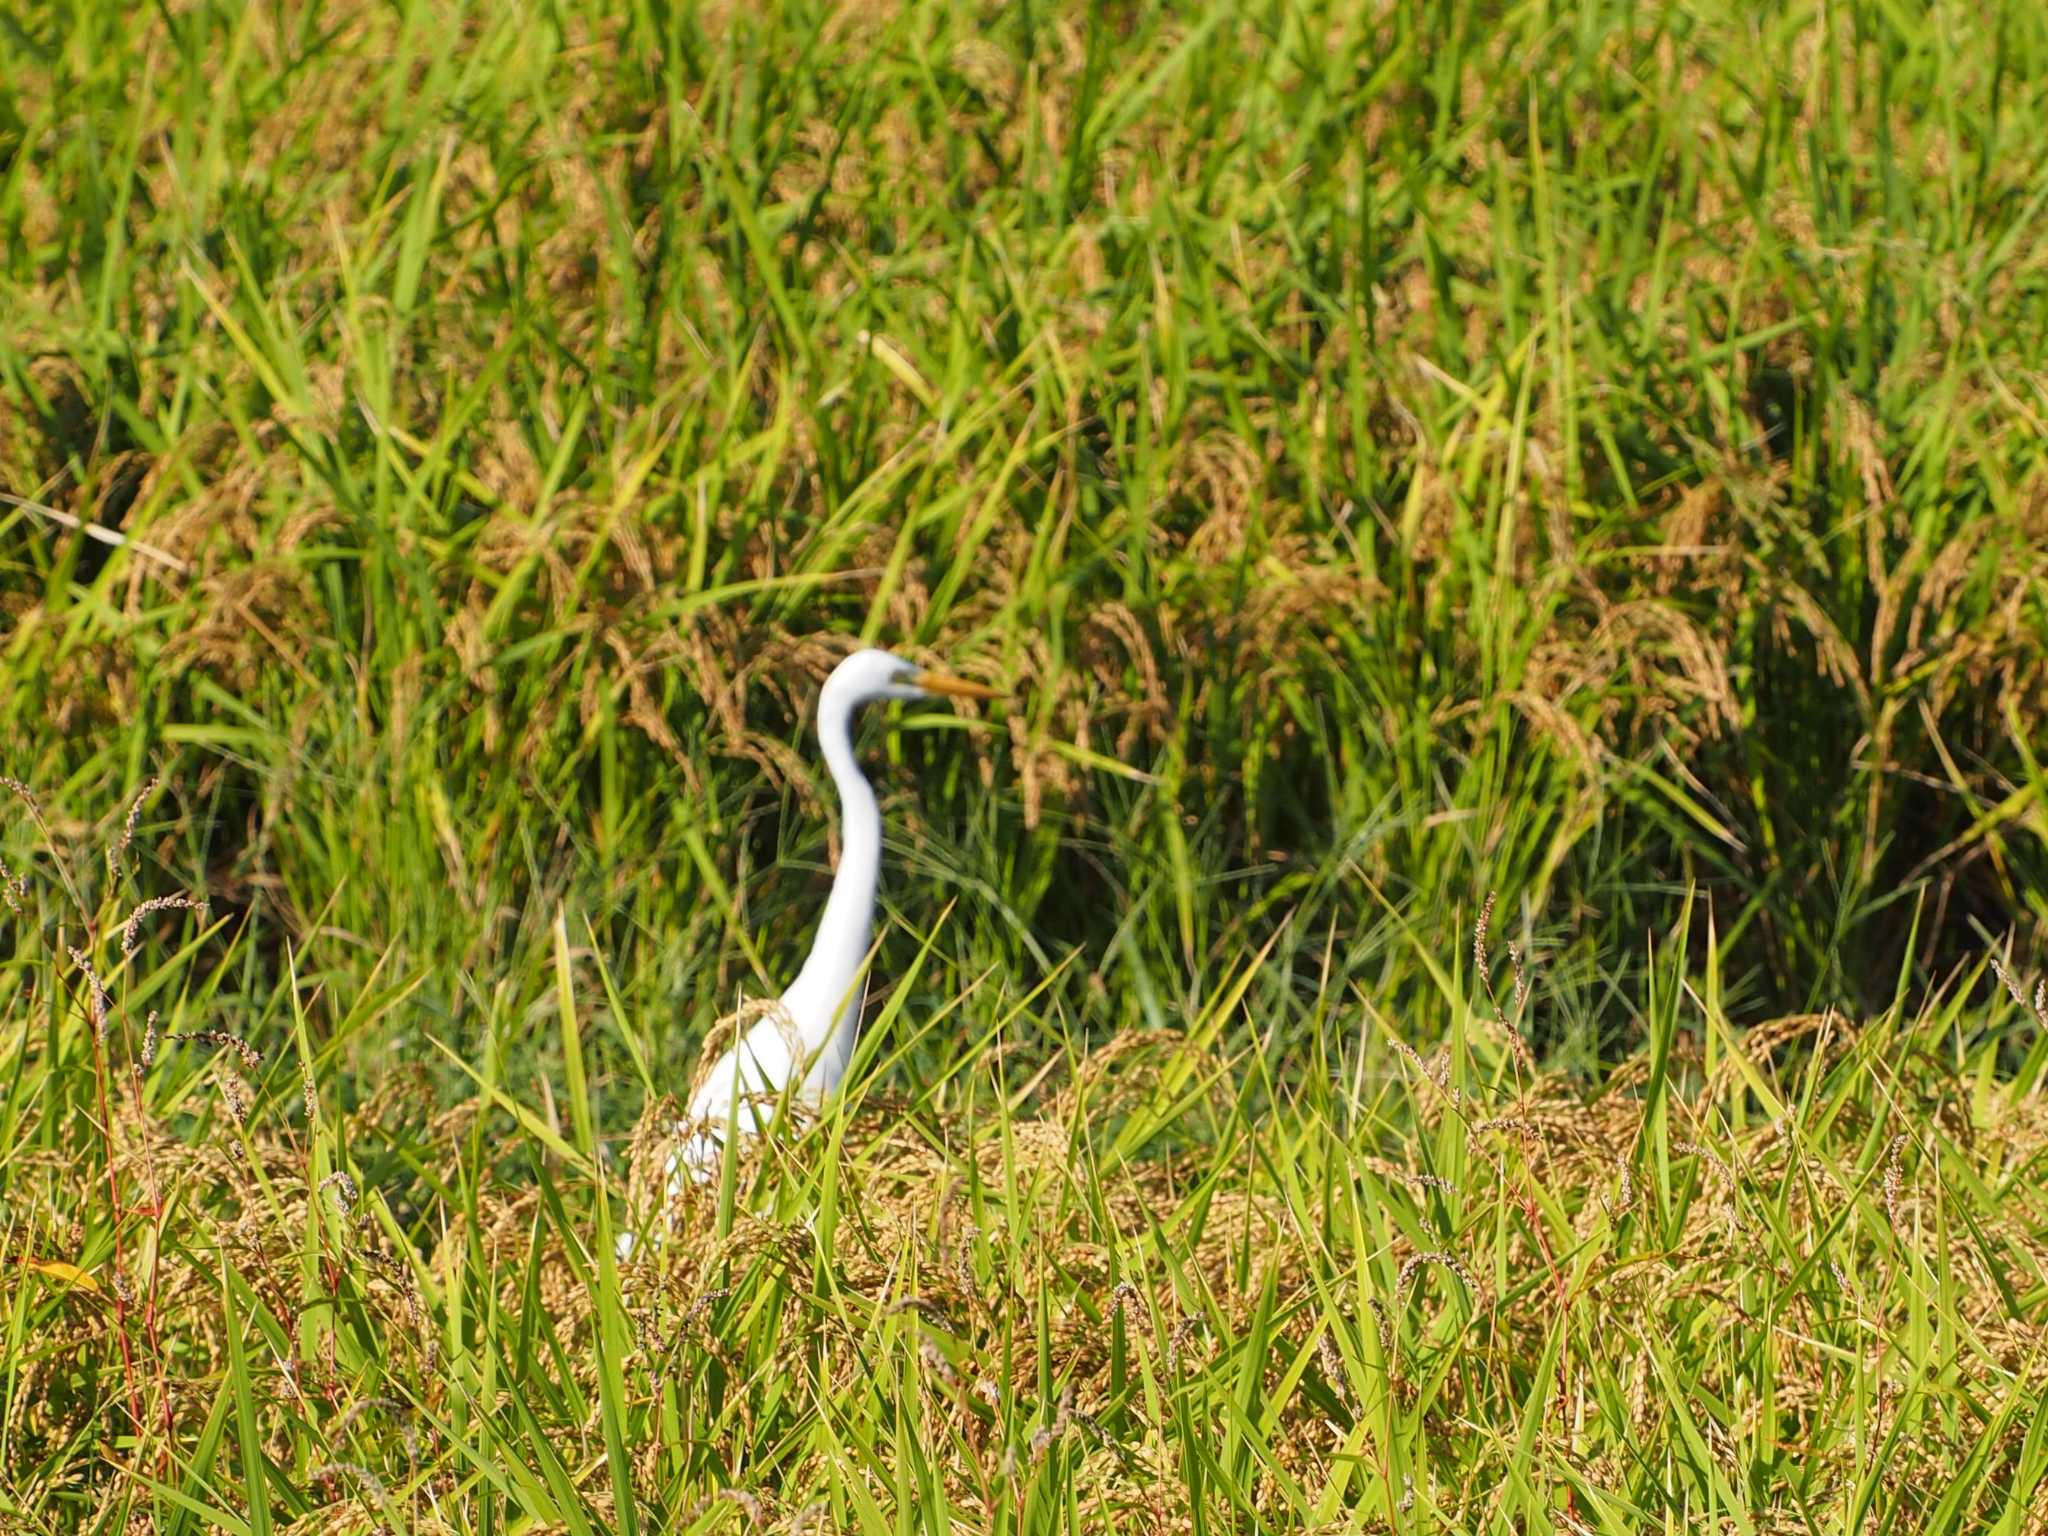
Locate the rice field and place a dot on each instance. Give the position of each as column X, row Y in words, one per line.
column 1487, row 974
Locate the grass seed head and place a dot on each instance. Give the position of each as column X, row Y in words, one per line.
column 98, row 1006
column 1332, row 1364
column 1894, row 1178
column 1521, row 977
column 341, row 1189
column 1415, row 1263
column 1624, row 1202
column 234, row 1096
column 27, row 797
column 2009, row 981
column 119, row 850
column 1185, row 1332
column 225, row 1040
column 1519, row 1124
column 1047, row 1435
column 131, row 928
column 702, row 1306
column 1384, row 1323
column 936, row 1362
column 1394, row 1173
column 2038, row 1005
column 1479, row 943
column 1724, row 1180
column 1525, row 1060
column 1437, row 1070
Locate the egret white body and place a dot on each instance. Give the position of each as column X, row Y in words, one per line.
column 813, row 1029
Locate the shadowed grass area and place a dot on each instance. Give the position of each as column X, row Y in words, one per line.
column 1392, row 453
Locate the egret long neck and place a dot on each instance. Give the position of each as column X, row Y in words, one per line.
column 823, row 1000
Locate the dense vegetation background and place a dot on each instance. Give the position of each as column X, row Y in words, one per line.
column 1394, row 453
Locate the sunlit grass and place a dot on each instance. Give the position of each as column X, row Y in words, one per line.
column 1392, row 455
column 1168, row 1282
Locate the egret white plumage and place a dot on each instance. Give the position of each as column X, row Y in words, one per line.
column 812, row 1028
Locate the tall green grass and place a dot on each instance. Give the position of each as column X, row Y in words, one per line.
column 1394, row 454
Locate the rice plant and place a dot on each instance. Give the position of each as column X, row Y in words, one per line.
column 1489, row 979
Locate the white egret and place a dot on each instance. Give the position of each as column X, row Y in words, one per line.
column 811, row 1029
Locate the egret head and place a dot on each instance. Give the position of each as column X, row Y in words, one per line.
column 873, row 674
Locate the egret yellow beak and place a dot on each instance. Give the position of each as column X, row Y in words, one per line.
column 957, row 687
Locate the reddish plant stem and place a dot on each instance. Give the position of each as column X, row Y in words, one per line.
column 150, row 1316
column 99, row 1069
